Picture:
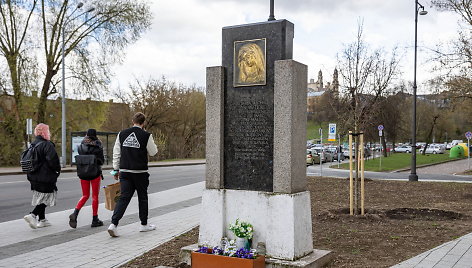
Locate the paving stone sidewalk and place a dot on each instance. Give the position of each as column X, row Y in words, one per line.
column 452, row 167
column 173, row 211
column 453, row 254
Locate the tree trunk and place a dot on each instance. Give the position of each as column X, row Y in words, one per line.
column 42, row 105
column 428, row 139
column 12, row 62
column 384, row 145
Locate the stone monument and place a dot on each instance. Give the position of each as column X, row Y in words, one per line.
column 255, row 145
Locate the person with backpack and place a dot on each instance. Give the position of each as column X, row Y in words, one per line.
column 130, row 164
column 45, row 170
column 89, row 169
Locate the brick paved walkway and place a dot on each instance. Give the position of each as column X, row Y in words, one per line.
column 174, row 212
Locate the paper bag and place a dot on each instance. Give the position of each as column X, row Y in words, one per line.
column 112, row 194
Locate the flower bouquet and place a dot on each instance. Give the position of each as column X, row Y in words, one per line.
column 243, row 231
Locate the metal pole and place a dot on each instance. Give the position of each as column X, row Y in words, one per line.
column 339, row 150
column 468, row 153
column 381, row 151
column 63, row 127
column 321, row 152
column 413, row 176
column 271, row 15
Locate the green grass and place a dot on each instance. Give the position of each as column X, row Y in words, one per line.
column 312, row 130
column 400, row 161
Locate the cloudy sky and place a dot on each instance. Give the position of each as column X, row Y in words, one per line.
column 185, row 36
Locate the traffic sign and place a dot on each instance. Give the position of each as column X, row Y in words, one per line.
column 468, row 135
column 29, row 126
column 380, row 128
column 380, row 133
column 332, row 132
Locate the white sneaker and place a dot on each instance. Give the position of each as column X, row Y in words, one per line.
column 31, row 220
column 147, row 228
column 43, row 223
column 112, row 230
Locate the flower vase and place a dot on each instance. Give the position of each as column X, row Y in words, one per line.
column 242, row 242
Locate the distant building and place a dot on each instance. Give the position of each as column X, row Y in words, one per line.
column 316, row 88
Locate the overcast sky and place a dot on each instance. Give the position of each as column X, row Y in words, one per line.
column 185, row 36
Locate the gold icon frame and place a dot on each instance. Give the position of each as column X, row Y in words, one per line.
column 249, row 63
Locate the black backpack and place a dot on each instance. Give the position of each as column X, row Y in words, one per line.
column 29, row 160
column 87, row 165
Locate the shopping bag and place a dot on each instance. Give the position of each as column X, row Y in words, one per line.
column 112, row 194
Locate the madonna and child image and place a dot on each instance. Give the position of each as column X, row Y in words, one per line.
column 249, row 63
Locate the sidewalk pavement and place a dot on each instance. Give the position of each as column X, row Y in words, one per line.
column 173, row 211
column 187, row 162
column 453, row 254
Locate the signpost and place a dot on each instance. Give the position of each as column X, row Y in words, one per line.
column 332, row 132
column 29, row 129
column 468, row 135
column 380, row 128
column 339, row 150
column 321, row 152
column 29, row 126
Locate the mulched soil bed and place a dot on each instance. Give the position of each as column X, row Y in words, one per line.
column 402, row 220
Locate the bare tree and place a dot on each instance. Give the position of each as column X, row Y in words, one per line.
column 15, row 17
column 175, row 114
column 455, row 58
column 366, row 75
column 111, row 26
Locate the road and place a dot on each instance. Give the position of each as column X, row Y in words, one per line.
column 422, row 174
column 15, row 193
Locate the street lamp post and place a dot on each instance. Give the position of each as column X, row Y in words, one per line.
column 271, row 15
column 63, row 123
column 413, row 176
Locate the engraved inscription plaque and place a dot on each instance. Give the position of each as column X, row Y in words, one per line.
column 249, row 62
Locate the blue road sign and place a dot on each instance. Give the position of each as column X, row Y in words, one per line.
column 380, row 127
column 468, row 135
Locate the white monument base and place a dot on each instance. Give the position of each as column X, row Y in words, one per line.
column 281, row 221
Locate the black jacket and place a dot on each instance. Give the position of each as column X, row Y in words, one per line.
column 44, row 179
column 92, row 146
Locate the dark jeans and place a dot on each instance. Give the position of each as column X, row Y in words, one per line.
column 40, row 211
column 129, row 183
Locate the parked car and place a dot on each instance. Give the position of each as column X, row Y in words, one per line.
column 434, row 149
column 335, row 151
column 312, row 158
column 328, row 155
column 367, row 152
column 318, row 150
column 403, row 149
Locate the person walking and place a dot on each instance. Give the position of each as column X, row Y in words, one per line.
column 130, row 163
column 90, row 145
column 43, row 180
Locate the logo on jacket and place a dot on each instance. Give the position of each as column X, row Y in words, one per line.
column 131, row 141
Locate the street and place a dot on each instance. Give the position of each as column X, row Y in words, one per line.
column 15, row 193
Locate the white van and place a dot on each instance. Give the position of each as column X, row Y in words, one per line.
column 453, row 143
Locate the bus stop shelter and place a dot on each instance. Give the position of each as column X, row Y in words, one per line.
column 107, row 138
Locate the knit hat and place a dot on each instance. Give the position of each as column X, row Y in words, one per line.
column 92, row 133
